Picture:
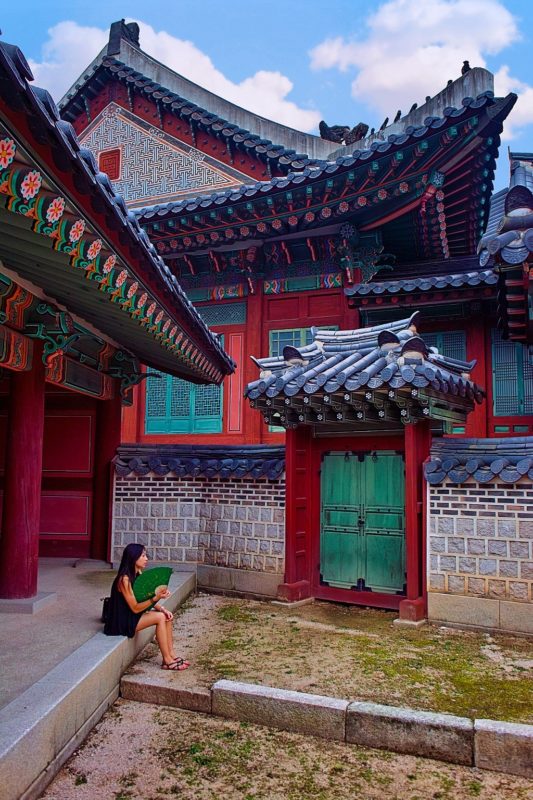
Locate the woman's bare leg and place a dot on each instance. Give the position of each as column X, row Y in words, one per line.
column 158, row 619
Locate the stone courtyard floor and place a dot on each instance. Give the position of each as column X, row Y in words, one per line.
column 145, row 752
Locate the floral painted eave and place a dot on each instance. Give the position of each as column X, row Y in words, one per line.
column 131, row 275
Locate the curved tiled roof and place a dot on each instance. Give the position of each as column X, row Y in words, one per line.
column 408, row 285
column 322, row 169
column 260, row 461
column 38, row 105
column 285, row 157
column 509, row 234
column 507, row 246
column 386, row 370
column 482, row 460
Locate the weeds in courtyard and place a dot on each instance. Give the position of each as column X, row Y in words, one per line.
column 359, row 654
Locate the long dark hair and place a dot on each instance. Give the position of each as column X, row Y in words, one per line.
column 130, row 556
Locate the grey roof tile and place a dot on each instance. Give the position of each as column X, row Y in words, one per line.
column 482, row 460
column 260, row 461
column 386, row 357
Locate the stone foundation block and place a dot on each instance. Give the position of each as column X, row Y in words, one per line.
column 504, row 747
column 478, row 611
column 245, row 581
column 419, row 733
column 279, row 708
column 147, row 689
column 516, row 616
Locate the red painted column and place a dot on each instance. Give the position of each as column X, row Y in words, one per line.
column 417, row 444
column 107, row 439
column 297, row 583
column 19, row 545
column 131, row 415
column 476, row 425
column 253, row 425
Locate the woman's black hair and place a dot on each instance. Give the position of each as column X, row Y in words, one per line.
column 130, row 556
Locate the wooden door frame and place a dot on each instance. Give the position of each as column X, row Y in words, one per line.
column 319, row 449
column 302, row 545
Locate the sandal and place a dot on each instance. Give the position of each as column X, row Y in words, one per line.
column 182, row 661
column 175, row 666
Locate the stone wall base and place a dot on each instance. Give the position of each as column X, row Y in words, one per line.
column 480, row 612
column 240, row 581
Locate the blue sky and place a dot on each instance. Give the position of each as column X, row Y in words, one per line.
column 299, row 61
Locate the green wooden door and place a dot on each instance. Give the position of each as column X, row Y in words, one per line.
column 362, row 535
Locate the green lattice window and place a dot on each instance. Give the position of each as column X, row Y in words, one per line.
column 290, row 337
column 223, row 313
column 512, row 378
column 451, row 344
column 177, row 406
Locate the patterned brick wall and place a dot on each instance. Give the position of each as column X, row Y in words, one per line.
column 481, row 540
column 237, row 523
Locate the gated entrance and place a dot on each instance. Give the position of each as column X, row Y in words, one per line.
column 362, row 529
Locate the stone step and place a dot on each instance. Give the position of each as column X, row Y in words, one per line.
column 42, row 727
column 487, row 744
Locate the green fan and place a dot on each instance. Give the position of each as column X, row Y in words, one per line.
column 148, row 581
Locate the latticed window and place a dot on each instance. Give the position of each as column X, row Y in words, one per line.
column 292, row 337
column 451, row 344
column 177, row 406
column 512, row 378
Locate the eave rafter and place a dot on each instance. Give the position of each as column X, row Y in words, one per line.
column 392, row 181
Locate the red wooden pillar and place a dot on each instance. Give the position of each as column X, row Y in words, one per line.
column 253, row 425
column 297, row 583
column 131, row 415
column 107, row 439
column 417, row 444
column 19, row 545
column 476, row 425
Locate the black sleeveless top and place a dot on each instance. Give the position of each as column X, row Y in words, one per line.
column 121, row 620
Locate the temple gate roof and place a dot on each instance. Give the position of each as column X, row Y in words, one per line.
column 365, row 379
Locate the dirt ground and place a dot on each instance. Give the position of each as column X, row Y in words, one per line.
column 145, row 752
column 352, row 653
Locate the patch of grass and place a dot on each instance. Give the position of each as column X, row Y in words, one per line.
column 229, row 644
column 433, row 668
column 228, row 751
column 128, row 779
column 236, row 613
column 80, row 780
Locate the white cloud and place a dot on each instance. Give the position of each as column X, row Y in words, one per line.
column 71, row 47
column 69, row 50
column 522, row 113
column 413, row 47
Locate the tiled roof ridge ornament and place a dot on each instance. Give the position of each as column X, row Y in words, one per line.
column 510, row 239
column 121, row 29
column 342, row 134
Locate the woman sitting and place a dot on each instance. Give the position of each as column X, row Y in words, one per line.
column 127, row 615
